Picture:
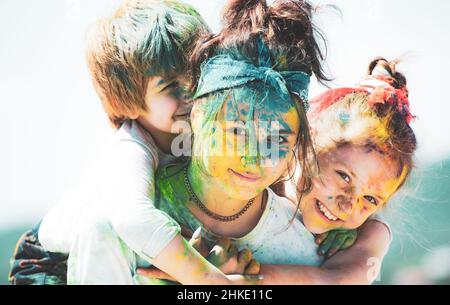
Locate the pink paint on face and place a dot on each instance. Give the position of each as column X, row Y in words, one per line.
column 354, row 183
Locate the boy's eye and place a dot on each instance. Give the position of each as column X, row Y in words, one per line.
column 171, row 86
column 371, row 199
column 344, row 176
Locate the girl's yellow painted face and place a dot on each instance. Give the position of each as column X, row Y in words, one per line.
column 354, row 183
column 245, row 157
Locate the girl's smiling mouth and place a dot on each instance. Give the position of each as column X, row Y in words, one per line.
column 245, row 176
column 325, row 212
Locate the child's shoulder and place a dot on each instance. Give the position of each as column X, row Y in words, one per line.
column 132, row 142
column 131, row 130
column 281, row 205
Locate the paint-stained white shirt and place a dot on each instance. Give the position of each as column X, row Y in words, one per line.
column 277, row 239
column 274, row 240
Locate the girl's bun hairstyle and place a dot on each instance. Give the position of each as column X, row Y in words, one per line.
column 402, row 138
column 285, row 26
column 381, row 66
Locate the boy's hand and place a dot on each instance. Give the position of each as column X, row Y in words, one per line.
column 240, row 266
column 333, row 241
column 225, row 256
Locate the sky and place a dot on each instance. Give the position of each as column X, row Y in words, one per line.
column 52, row 125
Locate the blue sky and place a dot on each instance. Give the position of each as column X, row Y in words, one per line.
column 53, row 126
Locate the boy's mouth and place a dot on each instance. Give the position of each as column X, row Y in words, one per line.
column 325, row 212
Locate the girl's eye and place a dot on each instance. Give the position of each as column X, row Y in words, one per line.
column 281, row 140
column 344, row 176
column 371, row 199
column 238, row 131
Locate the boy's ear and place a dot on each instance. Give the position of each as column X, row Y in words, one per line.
column 134, row 116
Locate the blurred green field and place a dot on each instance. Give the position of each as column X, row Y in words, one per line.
column 420, row 252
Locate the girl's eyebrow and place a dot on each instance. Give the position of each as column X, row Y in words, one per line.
column 381, row 198
column 286, row 131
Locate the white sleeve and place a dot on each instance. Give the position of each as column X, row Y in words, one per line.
column 381, row 219
column 128, row 192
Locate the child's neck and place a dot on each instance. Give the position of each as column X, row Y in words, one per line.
column 213, row 197
column 162, row 139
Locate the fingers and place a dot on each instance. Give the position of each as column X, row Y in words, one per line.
column 246, row 264
column 245, row 256
column 199, row 243
column 336, row 245
column 196, row 237
column 320, row 238
column 326, row 244
column 219, row 253
column 154, row 273
column 253, row 268
column 349, row 241
column 245, row 279
column 335, row 241
column 243, row 260
column 232, row 251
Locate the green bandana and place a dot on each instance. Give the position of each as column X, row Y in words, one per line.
column 224, row 72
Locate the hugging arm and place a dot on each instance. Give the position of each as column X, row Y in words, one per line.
column 358, row 264
column 194, row 268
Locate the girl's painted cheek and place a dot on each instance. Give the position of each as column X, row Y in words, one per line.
column 231, row 113
column 389, row 186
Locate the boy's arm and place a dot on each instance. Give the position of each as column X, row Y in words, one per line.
column 360, row 264
column 186, row 266
column 128, row 192
column 151, row 233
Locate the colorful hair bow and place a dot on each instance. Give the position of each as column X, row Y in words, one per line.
column 382, row 91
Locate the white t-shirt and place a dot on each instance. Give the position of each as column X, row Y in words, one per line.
column 280, row 236
column 119, row 190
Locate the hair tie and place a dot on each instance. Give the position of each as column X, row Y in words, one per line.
column 382, row 91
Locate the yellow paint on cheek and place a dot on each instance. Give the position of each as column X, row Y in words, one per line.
column 390, row 186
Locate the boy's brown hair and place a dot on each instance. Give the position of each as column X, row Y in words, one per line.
column 142, row 39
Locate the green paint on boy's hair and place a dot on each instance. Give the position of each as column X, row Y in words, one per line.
column 157, row 34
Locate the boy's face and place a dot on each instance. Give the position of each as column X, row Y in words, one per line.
column 167, row 103
column 354, row 183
